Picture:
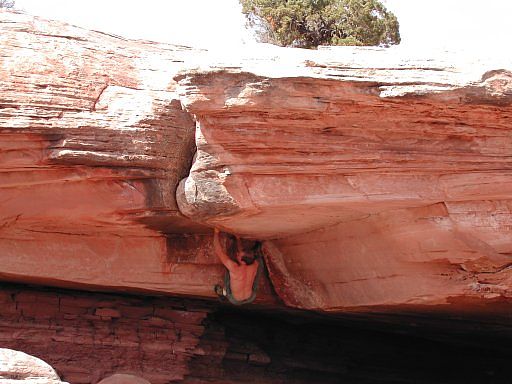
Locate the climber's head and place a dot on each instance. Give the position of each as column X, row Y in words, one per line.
column 247, row 251
column 243, row 251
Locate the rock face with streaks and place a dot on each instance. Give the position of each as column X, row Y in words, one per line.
column 376, row 178
column 91, row 145
column 93, row 338
column 376, row 181
column 93, row 142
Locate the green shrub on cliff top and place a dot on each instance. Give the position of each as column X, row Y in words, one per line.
column 310, row 23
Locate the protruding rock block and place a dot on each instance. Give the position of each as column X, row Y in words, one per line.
column 416, row 256
column 375, row 176
column 90, row 123
column 285, row 155
column 93, row 142
column 377, row 180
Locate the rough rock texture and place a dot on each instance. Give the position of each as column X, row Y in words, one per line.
column 385, row 182
column 16, row 367
column 90, row 336
column 93, row 141
column 376, row 177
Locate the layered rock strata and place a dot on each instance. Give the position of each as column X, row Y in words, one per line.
column 381, row 183
column 376, row 178
column 87, row 337
column 93, row 141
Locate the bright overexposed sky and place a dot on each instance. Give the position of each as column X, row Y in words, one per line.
column 432, row 23
column 452, row 23
column 190, row 22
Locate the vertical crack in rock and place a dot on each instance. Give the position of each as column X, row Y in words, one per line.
column 202, row 195
column 351, row 179
column 214, row 190
column 381, row 179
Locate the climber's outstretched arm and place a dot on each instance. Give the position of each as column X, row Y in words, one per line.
column 224, row 258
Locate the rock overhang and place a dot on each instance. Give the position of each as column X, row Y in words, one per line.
column 377, row 177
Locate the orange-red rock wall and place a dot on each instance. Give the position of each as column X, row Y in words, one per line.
column 88, row 336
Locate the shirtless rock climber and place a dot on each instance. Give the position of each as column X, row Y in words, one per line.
column 243, row 264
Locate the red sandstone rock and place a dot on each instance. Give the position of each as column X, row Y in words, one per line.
column 250, row 346
column 93, row 141
column 90, row 336
column 376, row 179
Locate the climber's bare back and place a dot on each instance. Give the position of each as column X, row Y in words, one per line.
column 242, row 280
column 241, row 274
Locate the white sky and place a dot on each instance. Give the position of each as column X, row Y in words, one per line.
column 432, row 23
column 191, row 22
column 451, row 23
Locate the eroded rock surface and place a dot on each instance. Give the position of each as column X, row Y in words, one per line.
column 377, row 178
column 376, row 182
column 18, row 367
column 93, row 142
column 90, row 336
